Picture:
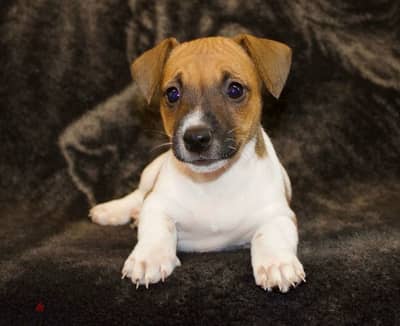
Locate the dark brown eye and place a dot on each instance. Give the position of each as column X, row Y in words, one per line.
column 172, row 94
column 235, row 90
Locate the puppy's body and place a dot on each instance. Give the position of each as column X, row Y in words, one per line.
column 221, row 185
column 214, row 212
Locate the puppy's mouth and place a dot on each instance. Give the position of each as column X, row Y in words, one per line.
column 203, row 159
column 205, row 166
column 203, row 162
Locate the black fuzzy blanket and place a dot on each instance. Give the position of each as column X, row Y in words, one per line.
column 74, row 131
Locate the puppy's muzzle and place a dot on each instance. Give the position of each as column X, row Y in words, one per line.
column 197, row 139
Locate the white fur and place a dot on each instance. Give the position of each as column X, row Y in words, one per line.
column 240, row 202
column 207, row 168
column 194, row 118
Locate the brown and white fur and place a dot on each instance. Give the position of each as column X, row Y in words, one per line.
column 231, row 193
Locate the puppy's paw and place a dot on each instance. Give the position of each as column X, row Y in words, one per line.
column 119, row 211
column 110, row 213
column 149, row 264
column 280, row 270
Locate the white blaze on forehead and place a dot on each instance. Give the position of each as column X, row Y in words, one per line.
column 194, row 118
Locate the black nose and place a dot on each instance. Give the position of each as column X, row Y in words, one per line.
column 197, row 139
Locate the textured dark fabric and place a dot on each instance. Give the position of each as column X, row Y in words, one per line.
column 74, row 131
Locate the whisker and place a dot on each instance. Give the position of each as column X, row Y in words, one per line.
column 161, row 145
column 155, row 131
column 232, row 130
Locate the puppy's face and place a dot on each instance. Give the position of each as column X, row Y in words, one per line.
column 210, row 97
column 211, row 101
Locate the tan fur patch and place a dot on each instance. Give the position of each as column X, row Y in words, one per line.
column 294, row 220
column 261, row 150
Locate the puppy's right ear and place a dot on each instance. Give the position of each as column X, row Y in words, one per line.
column 148, row 68
column 271, row 58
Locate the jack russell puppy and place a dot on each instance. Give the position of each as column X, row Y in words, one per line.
column 221, row 184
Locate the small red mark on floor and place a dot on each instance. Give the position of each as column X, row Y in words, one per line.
column 39, row 307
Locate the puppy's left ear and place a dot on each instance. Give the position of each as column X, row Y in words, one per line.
column 272, row 60
column 148, row 68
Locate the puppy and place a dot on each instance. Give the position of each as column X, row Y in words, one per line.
column 221, row 184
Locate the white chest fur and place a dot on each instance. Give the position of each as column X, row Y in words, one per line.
column 212, row 213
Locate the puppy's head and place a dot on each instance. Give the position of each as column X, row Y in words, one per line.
column 211, row 93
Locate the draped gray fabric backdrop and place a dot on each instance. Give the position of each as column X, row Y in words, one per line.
column 75, row 130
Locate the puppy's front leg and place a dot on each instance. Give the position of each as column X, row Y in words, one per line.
column 154, row 257
column 121, row 211
column 273, row 255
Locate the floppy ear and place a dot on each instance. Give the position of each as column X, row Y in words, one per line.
column 272, row 60
column 148, row 68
